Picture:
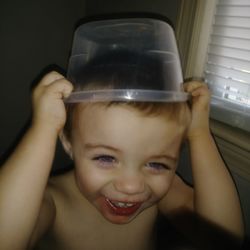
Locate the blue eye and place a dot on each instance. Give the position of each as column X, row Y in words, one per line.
column 105, row 159
column 157, row 166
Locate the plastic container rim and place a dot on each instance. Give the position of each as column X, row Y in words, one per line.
column 137, row 95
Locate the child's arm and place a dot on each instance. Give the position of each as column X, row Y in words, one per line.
column 23, row 178
column 215, row 196
column 213, row 200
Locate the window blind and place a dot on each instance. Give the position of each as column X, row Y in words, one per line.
column 227, row 69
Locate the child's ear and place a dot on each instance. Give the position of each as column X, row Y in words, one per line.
column 66, row 144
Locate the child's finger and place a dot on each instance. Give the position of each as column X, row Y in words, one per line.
column 202, row 91
column 60, row 86
column 191, row 86
column 50, row 78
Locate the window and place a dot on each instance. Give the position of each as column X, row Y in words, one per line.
column 230, row 117
column 228, row 105
column 227, row 66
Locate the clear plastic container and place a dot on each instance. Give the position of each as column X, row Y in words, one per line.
column 138, row 95
column 143, row 36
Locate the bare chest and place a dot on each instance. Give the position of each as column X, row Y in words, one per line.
column 76, row 229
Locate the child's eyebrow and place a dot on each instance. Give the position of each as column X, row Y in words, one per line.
column 90, row 146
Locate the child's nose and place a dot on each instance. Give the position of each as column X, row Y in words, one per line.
column 130, row 183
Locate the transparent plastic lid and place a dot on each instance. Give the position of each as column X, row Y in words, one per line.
column 140, row 52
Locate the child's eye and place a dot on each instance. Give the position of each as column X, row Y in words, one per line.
column 105, row 159
column 158, row 166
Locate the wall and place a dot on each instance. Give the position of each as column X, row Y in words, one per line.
column 33, row 35
column 167, row 8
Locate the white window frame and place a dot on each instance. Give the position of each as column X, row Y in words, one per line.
column 234, row 143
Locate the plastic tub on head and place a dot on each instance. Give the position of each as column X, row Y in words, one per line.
column 143, row 50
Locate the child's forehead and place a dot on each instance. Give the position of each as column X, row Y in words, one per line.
column 118, row 115
column 123, row 127
column 115, row 110
column 100, row 113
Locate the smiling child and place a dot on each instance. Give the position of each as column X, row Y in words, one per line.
column 125, row 158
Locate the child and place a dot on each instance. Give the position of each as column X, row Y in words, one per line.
column 125, row 156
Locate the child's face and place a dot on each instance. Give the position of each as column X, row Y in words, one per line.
column 124, row 162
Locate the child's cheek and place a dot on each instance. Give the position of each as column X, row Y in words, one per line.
column 160, row 185
column 90, row 181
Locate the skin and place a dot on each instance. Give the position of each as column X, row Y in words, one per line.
column 113, row 159
column 72, row 205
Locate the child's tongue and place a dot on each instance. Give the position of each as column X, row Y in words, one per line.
column 121, row 208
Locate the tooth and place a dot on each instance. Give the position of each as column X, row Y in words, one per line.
column 121, row 204
column 129, row 204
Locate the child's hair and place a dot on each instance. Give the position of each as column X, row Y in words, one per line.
column 124, row 69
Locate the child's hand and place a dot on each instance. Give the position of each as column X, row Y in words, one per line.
column 48, row 106
column 200, row 102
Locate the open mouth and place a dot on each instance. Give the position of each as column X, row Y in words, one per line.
column 123, row 208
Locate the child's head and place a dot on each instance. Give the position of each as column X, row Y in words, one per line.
column 125, row 153
column 123, row 69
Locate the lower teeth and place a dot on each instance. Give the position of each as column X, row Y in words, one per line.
column 121, row 204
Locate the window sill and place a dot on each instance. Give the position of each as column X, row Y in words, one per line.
column 234, row 146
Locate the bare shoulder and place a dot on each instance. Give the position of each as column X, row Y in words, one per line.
column 179, row 197
column 62, row 187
